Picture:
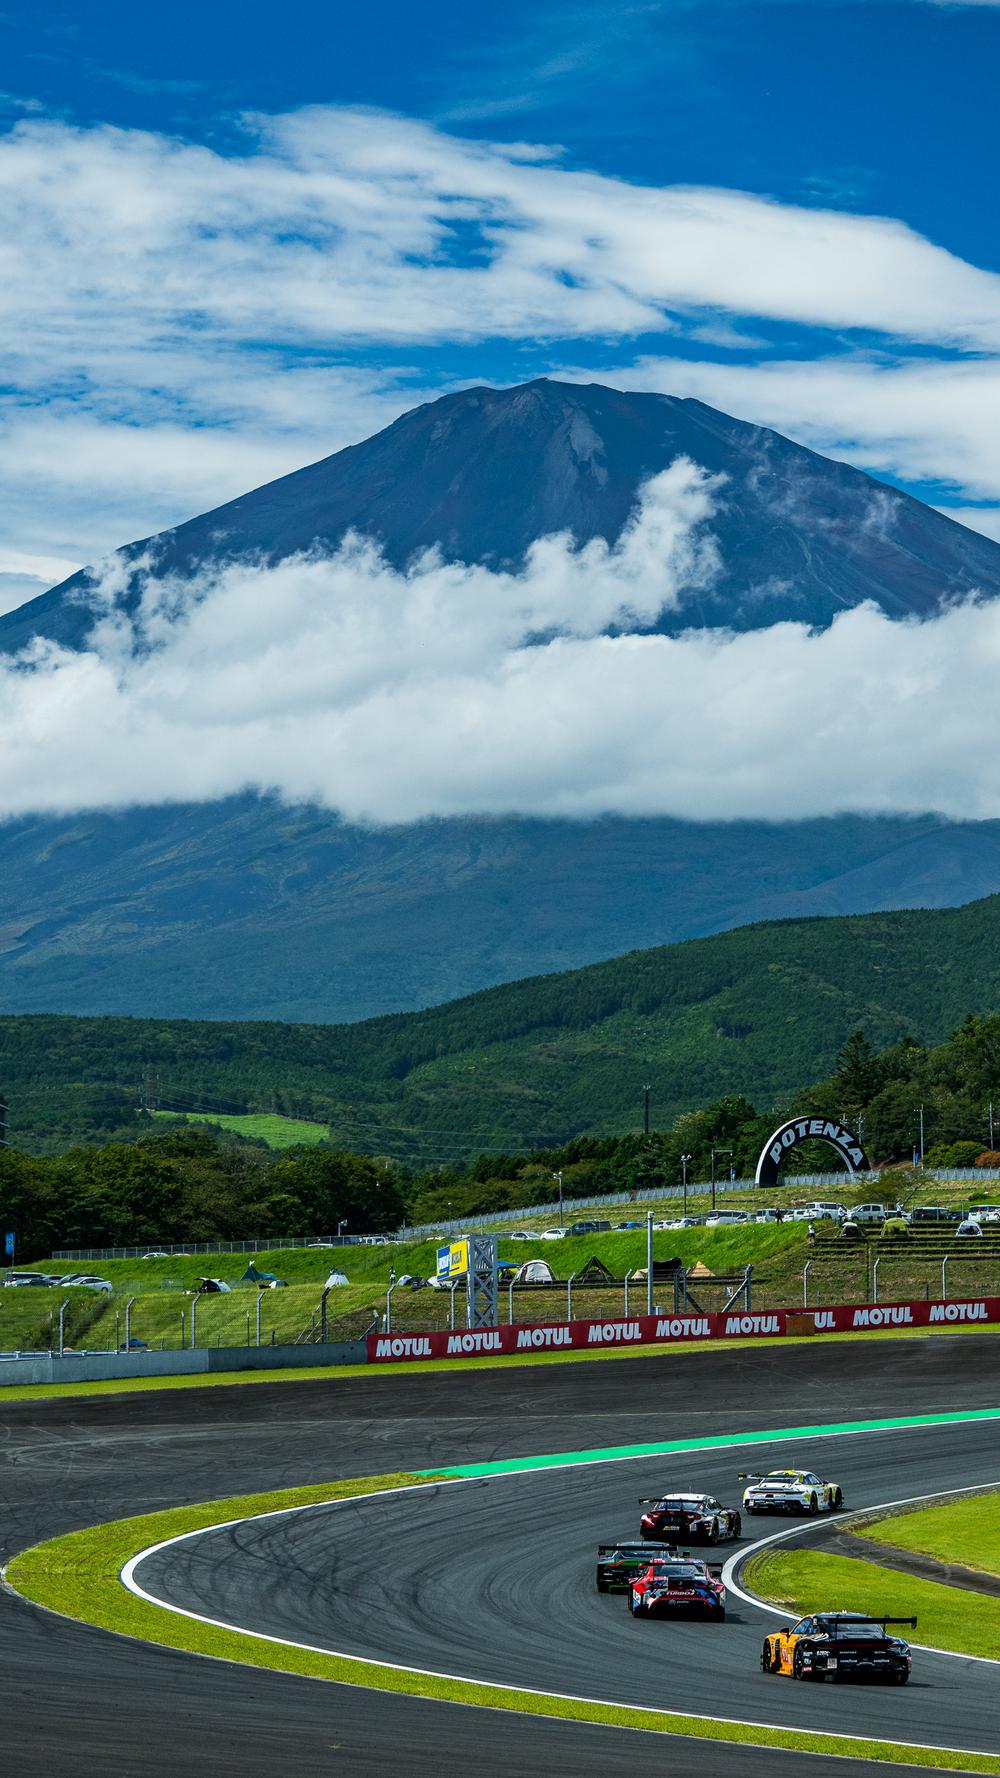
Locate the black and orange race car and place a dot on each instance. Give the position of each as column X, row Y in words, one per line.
column 679, row 1582
column 686, row 1518
column 839, row 1645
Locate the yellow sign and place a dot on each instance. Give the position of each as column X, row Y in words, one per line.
column 453, row 1260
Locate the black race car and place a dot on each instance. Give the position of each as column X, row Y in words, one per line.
column 683, row 1518
column 839, row 1645
column 619, row 1563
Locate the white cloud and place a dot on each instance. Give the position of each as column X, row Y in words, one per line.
column 918, row 419
column 178, row 322
column 452, row 689
column 977, row 518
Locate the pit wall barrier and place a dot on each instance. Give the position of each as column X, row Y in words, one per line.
column 99, row 1367
column 671, row 1330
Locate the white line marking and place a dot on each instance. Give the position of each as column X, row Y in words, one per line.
column 129, row 1580
column 823, row 1524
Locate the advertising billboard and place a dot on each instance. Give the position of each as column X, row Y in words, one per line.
column 453, row 1260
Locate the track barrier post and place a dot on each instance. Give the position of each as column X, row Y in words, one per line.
column 388, row 1308
column 194, row 1322
column 451, row 1306
column 649, row 1262
column 805, row 1284
column 62, row 1323
column 510, row 1303
column 128, row 1323
column 944, row 1278
column 260, row 1299
column 627, row 1277
column 569, row 1296
column 875, row 1268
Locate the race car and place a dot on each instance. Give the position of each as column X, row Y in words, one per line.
column 789, row 1491
column 840, row 1645
column 619, row 1563
column 673, row 1518
column 680, row 1582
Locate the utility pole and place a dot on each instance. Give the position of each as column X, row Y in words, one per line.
column 151, row 1089
column 685, row 1163
column 990, row 1116
column 558, row 1179
column 645, row 1109
column 920, row 1114
column 3, row 1122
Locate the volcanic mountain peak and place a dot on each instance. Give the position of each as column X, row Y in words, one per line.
column 481, row 474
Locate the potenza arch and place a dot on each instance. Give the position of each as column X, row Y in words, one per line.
column 810, row 1129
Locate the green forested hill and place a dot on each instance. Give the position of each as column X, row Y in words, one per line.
column 761, row 1011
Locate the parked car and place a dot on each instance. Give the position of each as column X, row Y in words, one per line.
column 156, row 1256
column 768, row 1216
column 926, row 1214
column 553, row 1235
column 725, row 1219
column 985, row 1213
column 590, row 1226
column 519, row 1235
column 867, row 1214
column 24, row 1280
column 619, row 1226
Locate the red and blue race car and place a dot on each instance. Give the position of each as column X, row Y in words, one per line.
column 680, row 1583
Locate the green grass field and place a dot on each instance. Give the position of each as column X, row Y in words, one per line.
column 277, row 1132
column 966, row 1531
column 947, row 1617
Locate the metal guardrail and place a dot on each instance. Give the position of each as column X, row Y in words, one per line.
column 496, row 1218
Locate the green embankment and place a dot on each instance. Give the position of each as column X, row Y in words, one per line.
column 965, row 1531
column 78, row 1576
column 947, row 1617
column 163, row 1287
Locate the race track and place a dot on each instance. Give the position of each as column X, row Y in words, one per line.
column 490, row 1580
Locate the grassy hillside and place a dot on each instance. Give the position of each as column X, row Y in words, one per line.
column 761, row 1011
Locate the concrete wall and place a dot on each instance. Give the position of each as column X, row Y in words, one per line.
column 94, row 1367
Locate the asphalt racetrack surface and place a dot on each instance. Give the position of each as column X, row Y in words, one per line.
column 488, row 1579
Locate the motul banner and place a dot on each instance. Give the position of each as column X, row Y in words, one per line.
column 668, row 1330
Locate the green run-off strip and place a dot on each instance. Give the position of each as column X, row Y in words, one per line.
column 663, row 1447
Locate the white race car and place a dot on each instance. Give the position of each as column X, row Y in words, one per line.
column 790, row 1491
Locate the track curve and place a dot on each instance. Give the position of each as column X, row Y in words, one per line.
column 494, row 1581
column 68, row 1464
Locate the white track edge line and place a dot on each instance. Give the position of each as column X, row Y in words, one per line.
column 822, row 1524
column 127, row 1577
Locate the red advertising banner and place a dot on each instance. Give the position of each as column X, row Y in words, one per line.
column 644, row 1330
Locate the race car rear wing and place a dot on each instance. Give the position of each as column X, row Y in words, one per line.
column 635, row 1549
column 847, row 1623
column 750, row 1475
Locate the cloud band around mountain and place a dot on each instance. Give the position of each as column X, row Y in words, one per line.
column 452, row 690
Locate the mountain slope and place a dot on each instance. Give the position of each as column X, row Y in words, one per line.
column 483, row 473
column 761, row 1011
column 244, row 909
column 248, row 910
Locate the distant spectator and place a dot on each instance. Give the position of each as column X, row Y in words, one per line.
column 811, row 1233
column 851, row 1231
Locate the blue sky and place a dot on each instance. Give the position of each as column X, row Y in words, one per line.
column 177, row 340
